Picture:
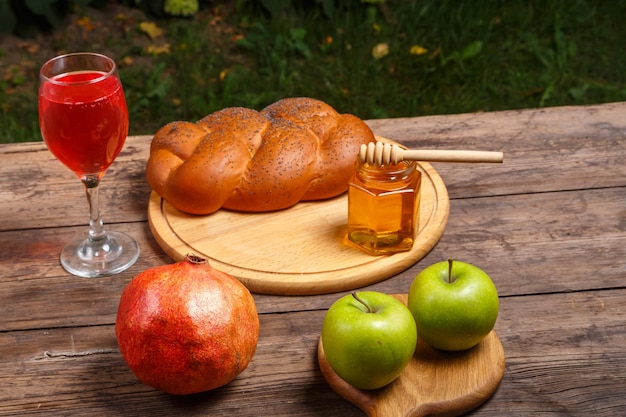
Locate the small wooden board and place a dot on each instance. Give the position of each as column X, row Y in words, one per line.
column 297, row 251
column 434, row 383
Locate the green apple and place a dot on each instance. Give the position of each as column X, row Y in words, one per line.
column 455, row 305
column 368, row 338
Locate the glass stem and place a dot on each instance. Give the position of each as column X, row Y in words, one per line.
column 96, row 226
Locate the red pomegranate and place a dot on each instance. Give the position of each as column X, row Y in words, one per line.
column 186, row 327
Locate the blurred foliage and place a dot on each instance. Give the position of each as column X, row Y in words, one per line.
column 329, row 7
column 374, row 59
column 181, row 7
column 28, row 17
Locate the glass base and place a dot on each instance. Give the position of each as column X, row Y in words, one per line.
column 91, row 258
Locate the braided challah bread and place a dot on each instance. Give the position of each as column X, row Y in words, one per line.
column 294, row 150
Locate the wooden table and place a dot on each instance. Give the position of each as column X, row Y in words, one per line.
column 548, row 225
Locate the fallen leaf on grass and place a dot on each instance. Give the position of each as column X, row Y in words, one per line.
column 418, row 50
column 158, row 49
column 30, row 47
column 381, row 50
column 128, row 61
column 85, row 23
column 150, row 29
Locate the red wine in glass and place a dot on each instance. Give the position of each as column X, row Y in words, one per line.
column 84, row 122
column 84, row 125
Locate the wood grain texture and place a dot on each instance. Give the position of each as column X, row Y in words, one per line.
column 298, row 251
column 580, row 140
column 434, row 383
column 527, row 243
column 37, row 191
column 548, row 225
column 564, row 356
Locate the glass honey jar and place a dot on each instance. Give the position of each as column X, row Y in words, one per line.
column 383, row 207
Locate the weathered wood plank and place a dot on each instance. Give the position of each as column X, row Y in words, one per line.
column 81, row 369
column 549, row 226
column 564, row 357
column 38, row 191
column 529, row 244
column 587, row 143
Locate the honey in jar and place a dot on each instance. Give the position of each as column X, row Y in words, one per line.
column 383, row 207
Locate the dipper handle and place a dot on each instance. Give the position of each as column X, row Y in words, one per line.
column 382, row 153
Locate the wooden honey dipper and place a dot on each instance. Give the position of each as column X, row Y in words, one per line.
column 382, row 153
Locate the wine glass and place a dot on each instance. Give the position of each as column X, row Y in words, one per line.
column 84, row 122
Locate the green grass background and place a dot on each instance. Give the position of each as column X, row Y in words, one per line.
column 477, row 56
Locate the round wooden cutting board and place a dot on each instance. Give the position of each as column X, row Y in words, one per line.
column 434, row 383
column 297, row 251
